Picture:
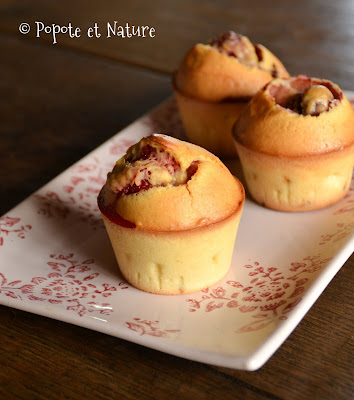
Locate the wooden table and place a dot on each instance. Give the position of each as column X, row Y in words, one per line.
column 59, row 101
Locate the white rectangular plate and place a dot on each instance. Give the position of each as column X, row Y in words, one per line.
column 56, row 260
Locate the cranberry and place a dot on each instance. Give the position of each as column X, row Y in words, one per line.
column 134, row 188
column 147, row 151
column 192, row 169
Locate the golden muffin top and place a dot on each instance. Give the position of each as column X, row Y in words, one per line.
column 164, row 184
column 229, row 67
column 297, row 117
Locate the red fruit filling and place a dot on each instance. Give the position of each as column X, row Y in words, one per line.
column 133, row 173
column 192, row 169
column 110, row 212
column 306, row 96
column 238, row 46
column 149, row 167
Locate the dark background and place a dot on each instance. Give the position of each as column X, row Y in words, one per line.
column 60, row 101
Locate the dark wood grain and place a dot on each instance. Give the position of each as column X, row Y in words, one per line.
column 59, row 361
column 60, row 107
column 312, row 37
column 60, row 101
column 50, row 359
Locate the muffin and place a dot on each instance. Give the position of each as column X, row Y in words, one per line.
column 295, row 141
column 171, row 210
column 214, row 83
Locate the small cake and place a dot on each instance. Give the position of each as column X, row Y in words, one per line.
column 214, row 83
column 295, row 141
column 171, row 210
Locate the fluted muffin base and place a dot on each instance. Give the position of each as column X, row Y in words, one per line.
column 174, row 262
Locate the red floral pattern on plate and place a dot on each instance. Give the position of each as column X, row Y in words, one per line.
column 119, row 147
column 70, row 283
column 344, row 230
column 264, row 294
column 268, row 293
column 165, row 120
column 348, row 207
column 78, row 197
column 150, row 328
column 9, row 226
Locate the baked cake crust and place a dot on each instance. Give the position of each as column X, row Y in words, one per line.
column 171, row 210
column 269, row 127
column 295, row 141
column 206, row 73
